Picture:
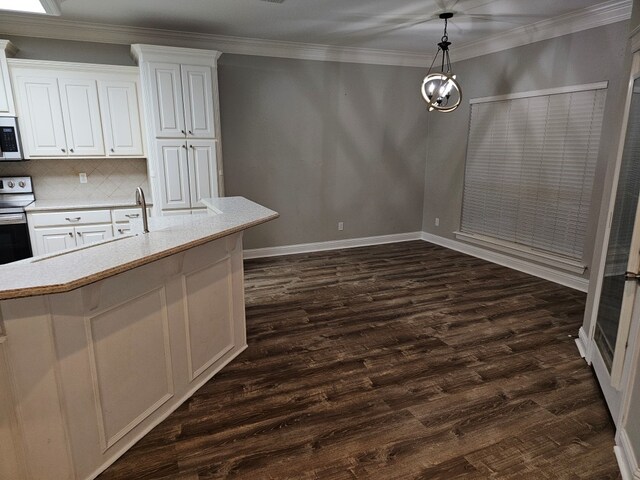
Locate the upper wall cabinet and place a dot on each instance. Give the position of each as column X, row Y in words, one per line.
column 81, row 115
column 41, row 116
column 6, row 97
column 77, row 110
column 183, row 100
column 121, row 117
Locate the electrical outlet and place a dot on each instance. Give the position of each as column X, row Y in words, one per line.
column 83, row 177
column 437, row 222
column 340, row 226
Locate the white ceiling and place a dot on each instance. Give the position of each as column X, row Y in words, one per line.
column 403, row 25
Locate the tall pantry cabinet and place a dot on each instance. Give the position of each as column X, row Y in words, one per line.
column 180, row 96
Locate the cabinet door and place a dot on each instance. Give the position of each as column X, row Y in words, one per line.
column 6, row 98
column 197, row 92
column 203, row 178
column 174, row 173
column 54, row 239
column 40, row 115
column 121, row 117
column 81, row 112
column 93, row 233
column 166, row 95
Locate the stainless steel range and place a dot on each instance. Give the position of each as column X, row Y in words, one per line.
column 15, row 194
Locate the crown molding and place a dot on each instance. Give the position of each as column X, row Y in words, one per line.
column 590, row 17
column 47, row 27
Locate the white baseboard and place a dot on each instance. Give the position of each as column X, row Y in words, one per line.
column 583, row 343
column 627, row 461
column 331, row 245
column 566, row 279
column 541, row 271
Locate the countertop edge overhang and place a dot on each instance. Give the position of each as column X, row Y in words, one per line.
column 67, row 271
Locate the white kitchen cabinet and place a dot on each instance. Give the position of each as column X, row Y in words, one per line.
column 168, row 108
column 197, row 95
column 81, row 114
column 6, row 94
column 88, row 234
column 174, row 173
column 188, row 172
column 40, row 113
column 183, row 100
column 73, row 110
column 54, row 239
column 180, row 94
column 55, row 230
column 203, row 178
column 121, row 117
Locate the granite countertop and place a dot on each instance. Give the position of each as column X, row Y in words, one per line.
column 70, row 269
column 82, row 203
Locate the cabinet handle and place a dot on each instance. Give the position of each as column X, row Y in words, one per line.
column 121, row 231
column 132, row 215
column 75, row 219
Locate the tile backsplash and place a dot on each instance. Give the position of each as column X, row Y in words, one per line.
column 58, row 179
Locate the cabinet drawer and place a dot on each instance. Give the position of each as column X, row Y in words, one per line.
column 125, row 215
column 77, row 217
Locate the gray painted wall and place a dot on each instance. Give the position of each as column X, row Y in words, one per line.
column 589, row 56
column 321, row 143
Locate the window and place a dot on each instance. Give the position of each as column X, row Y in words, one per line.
column 529, row 170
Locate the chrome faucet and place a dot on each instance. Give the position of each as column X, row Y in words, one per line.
column 143, row 203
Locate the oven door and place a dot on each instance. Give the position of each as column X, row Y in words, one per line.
column 14, row 237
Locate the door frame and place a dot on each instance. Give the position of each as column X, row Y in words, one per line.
column 612, row 392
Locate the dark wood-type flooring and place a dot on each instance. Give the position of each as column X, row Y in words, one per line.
column 396, row 361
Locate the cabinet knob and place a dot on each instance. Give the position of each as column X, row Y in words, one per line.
column 63, row 150
column 184, row 146
column 79, row 234
column 113, row 149
column 71, row 234
column 190, row 132
column 71, row 150
column 183, row 132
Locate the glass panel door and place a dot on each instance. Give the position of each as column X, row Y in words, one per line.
column 618, row 292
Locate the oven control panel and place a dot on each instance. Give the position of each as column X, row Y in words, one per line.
column 15, row 185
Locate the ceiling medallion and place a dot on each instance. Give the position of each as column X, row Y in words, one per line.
column 441, row 90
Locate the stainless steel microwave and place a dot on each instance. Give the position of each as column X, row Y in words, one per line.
column 10, row 146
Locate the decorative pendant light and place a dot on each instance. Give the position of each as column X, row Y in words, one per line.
column 441, row 90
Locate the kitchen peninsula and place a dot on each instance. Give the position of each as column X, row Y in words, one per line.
column 99, row 344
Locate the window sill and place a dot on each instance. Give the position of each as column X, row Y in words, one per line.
column 558, row 261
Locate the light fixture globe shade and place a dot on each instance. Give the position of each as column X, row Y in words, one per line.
column 441, row 91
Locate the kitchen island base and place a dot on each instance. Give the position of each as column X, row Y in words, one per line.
column 87, row 373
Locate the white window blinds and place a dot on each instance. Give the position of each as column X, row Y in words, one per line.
column 529, row 169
